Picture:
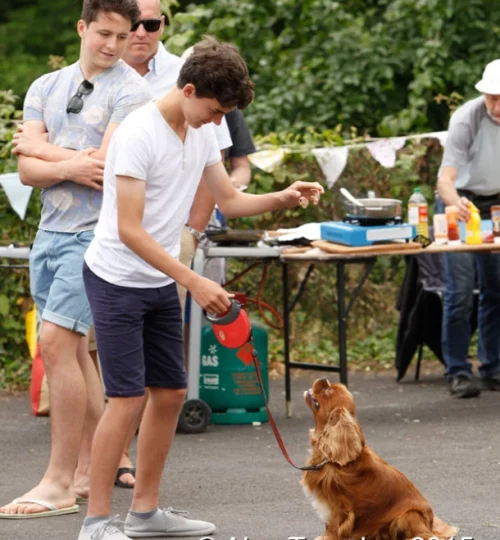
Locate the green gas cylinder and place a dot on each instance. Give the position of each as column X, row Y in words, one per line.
column 228, row 382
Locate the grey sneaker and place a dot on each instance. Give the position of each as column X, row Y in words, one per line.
column 106, row 530
column 167, row 522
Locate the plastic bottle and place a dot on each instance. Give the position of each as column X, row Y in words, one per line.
column 452, row 219
column 495, row 222
column 473, row 227
column 418, row 212
column 440, row 229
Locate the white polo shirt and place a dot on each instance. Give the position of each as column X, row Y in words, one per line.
column 164, row 69
column 145, row 147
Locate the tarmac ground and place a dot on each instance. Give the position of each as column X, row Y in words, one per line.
column 236, row 476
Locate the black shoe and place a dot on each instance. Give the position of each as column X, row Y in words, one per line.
column 491, row 383
column 462, row 386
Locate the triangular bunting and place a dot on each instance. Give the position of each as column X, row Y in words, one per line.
column 332, row 162
column 17, row 193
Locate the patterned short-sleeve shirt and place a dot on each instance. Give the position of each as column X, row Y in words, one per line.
column 68, row 206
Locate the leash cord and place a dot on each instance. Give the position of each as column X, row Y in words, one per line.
column 273, row 423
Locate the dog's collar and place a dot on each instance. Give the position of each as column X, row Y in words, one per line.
column 315, row 467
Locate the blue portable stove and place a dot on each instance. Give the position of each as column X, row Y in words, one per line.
column 367, row 231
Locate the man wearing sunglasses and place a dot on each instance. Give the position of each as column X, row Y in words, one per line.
column 160, row 68
column 69, row 118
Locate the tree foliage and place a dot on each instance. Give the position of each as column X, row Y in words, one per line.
column 376, row 65
column 32, row 31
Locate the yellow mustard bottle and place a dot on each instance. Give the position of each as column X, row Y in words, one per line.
column 473, row 227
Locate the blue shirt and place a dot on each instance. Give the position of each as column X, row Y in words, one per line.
column 67, row 206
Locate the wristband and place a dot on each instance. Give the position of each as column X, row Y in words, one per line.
column 197, row 234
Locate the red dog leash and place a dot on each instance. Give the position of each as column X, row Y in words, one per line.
column 274, row 427
column 234, row 330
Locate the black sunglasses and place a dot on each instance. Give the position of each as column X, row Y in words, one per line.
column 75, row 104
column 150, row 25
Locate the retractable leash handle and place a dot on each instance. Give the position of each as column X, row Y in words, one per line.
column 234, row 330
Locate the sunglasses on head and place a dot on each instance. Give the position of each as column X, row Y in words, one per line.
column 150, row 25
column 75, row 104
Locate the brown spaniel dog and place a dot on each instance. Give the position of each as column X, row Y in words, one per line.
column 356, row 493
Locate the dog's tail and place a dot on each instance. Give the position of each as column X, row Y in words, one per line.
column 417, row 524
column 440, row 529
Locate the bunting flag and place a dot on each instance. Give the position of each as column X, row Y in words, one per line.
column 17, row 193
column 384, row 151
column 332, row 162
column 268, row 160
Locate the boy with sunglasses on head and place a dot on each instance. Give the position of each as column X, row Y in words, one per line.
column 153, row 168
column 69, row 117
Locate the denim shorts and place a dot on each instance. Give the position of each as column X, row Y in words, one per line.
column 56, row 279
column 139, row 335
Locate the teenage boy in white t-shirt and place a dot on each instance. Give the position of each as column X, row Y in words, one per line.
column 154, row 165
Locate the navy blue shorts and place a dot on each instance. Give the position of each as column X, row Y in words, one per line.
column 139, row 335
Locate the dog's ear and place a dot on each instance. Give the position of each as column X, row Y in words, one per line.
column 341, row 440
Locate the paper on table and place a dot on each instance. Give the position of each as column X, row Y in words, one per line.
column 309, row 231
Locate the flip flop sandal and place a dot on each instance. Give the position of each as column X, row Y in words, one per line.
column 120, row 472
column 52, row 510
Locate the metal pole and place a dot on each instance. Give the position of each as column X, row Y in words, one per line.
column 195, row 334
column 342, row 322
column 286, row 341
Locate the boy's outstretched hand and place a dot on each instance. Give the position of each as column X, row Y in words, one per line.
column 301, row 193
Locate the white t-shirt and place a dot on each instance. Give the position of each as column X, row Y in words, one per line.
column 145, row 147
column 164, row 69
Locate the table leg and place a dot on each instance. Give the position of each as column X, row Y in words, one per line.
column 286, row 340
column 196, row 318
column 342, row 322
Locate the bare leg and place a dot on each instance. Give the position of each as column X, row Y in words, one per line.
column 107, row 449
column 95, row 409
column 67, row 395
column 82, row 482
column 125, row 460
column 155, row 439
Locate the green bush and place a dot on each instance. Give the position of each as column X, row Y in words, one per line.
column 15, row 299
column 378, row 65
